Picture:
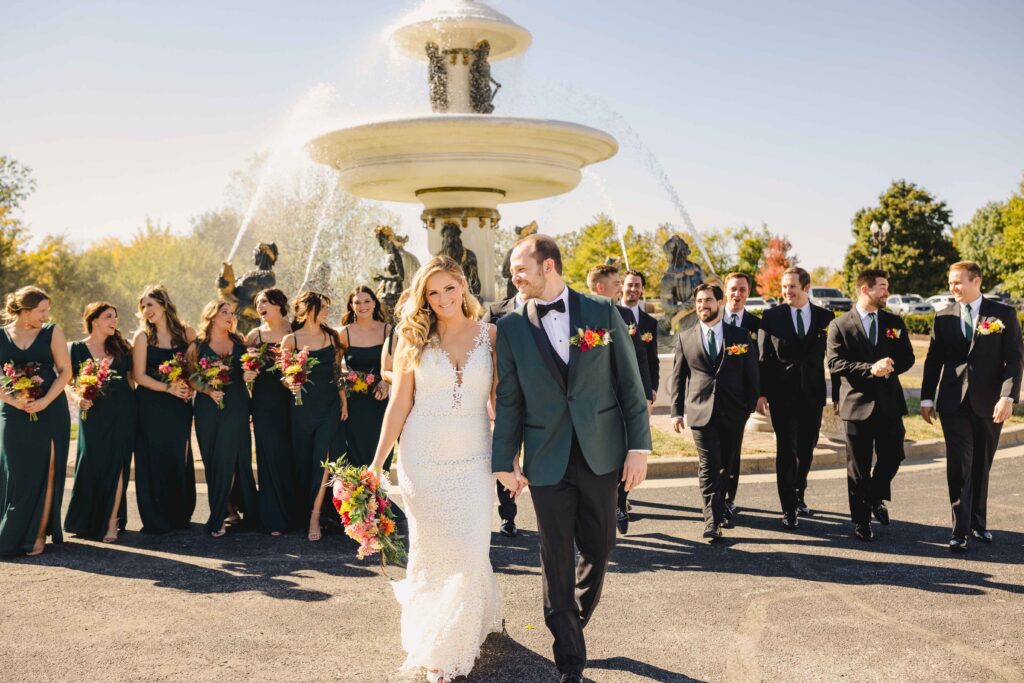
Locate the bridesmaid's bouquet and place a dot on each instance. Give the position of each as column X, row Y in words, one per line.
column 94, row 380
column 295, row 367
column 257, row 359
column 212, row 375
column 23, row 381
column 366, row 512
column 359, row 382
column 172, row 369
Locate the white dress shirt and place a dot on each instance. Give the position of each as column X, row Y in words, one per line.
column 717, row 327
column 730, row 316
column 556, row 326
column 805, row 311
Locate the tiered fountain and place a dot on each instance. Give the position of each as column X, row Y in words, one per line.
column 461, row 163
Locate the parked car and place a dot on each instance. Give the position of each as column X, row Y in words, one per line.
column 756, row 305
column 940, row 301
column 830, row 298
column 908, row 304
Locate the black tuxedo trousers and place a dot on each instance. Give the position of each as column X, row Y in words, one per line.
column 717, row 444
column 796, row 428
column 880, row 435
column 971, row 442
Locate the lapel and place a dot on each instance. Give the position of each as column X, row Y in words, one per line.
column 712, row 366
column 540, row 337
column 958, row 331
column 575, row 323
column 856, row 329
column 981, row 316
column 790, row 325
column 692, row 336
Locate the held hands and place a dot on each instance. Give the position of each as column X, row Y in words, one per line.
column 1004, row 408
column 883, row 367
column 514, row 482
column 635, row 470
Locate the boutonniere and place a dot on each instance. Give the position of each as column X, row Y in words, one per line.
column 632, row 329
column 986, row 327
column 737, row 349
column 823, row 332
column 590, row 339
column 893, row 333
column 646, row 337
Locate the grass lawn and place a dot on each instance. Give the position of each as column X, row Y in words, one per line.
column 919, row 430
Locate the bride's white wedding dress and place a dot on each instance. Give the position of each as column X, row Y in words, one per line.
column 449, row 596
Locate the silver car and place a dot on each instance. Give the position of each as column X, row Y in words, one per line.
column 940, row 301
column 908, row 304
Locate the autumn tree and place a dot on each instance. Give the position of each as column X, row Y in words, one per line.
column 777, row 258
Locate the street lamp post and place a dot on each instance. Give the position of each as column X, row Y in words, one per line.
column 879, row 236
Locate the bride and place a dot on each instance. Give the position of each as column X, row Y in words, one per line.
column 444, row 381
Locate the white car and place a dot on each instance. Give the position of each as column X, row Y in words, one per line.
column 757, row 305
column 908, row 304
column 940, row 301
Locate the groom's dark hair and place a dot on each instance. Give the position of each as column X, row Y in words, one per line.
column 544, row 248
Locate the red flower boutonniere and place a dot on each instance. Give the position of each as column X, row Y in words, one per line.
column 646, row 337
column 590, row 339
column 987, row 327
column 893, row 333
column 737, row 349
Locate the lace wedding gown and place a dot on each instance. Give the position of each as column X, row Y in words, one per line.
column 449, row 596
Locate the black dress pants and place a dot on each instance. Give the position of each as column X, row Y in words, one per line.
column 971, row 442
column 506, row 504
column 734, row 470
column 716, row 443
column 880, row 435
column 796, row 433
column 577, row 512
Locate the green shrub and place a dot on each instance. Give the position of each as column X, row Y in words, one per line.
column 922, row 324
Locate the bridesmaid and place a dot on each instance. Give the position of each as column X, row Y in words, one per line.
column 318, row 433
column 165, row 477
column 33, row 453
column 364, row 336
column 105, row 440
column 222, row 420
column 271, row 418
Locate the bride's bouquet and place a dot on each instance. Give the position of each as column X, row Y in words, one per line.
column 366, row 512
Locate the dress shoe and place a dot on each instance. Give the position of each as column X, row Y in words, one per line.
column 731, row 508
column 727, row 522
column 790, row 520
column 983, row 536
column 802, row 509
column 712, row 532
column 571, row 678
column 864, row 533
column 508, row 528
column 622, row 521
column 958, row 544
column 881, row 513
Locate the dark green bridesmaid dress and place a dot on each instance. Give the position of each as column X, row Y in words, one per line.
column 272, row 429
column 25, row 453
column 317, row 433
column 365, row 413
column 165, row 476
column 225, row 446
column 105, row 442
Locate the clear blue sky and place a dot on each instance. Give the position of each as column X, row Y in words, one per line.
column 792, row 113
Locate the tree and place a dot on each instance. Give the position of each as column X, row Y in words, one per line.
column 827, row 277
column 920, row 246
column 776, row 259
column 593, row 244
column 751, row 247
column 981, row 241
column 1011, row 252
column 16, row 184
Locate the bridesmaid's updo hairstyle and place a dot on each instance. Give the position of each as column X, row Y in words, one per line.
column 349, row 316
column 115, row 345
column 24, row 299
column 307, row 306
column 174, row 324
column 209, row 314
column 274, row 297
column 417, row 322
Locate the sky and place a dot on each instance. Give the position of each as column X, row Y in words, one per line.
column 792, row 113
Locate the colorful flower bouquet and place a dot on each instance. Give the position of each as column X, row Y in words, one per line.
column 171, row 370
column 590, row 339
column 366, row 512
column 295, row 367
column 23, row 381
column 94, row 380
column 257, row 359
column 212, row 375
column 359, row 382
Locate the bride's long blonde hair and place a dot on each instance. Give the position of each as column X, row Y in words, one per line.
column 417, row 322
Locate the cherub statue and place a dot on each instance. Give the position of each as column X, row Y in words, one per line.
column 506, row 265
column 398, row 269
column 678, row 283
column 480, row 93
column 244, row 289
column 451, row 245
column 438, row 78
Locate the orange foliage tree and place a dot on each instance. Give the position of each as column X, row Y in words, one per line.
column 776, row 259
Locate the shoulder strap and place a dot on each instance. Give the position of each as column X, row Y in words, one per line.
column 348, row 337
column 259, row 335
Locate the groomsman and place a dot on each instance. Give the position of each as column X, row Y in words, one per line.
column 868, row 349
column 507, row 507
column 647, row 327
column 605, row 280
column 714, row 386
column 792, row 348
column 737, row 290
column 972, row 377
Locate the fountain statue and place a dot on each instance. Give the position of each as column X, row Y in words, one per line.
column 678, row 283
column 506, row 266
column 461, row 165
column 319, row 280
column 451, row 246
column 244, row 289
column 398, row 269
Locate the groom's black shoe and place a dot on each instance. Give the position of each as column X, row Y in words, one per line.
column 712, row 532
column 622, row 520
column 508, row 528
column 571, row 678
column 881, row 513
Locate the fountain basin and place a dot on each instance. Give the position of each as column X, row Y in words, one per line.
column 462, row 160
column 459, row 24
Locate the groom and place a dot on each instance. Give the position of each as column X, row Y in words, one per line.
column 569, row 391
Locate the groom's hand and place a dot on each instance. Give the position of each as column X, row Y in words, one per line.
column 635, row 470
column 512, row 482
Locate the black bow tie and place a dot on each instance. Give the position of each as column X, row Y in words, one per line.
column 544, row 309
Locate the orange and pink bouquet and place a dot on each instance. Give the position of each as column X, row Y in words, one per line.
column 172, row 369
column 359, row 382
column 295, row 367
column 93, row 380
column 257, row 359
column 366, row 512
column 212, row 375
column 590, row 339
column 23, row 381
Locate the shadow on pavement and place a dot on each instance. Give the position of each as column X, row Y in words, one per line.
column 648, row 671
column 503, row 660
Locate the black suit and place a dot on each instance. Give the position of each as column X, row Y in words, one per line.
column 752, row 324
column 965, row 380
column 793, row 381
column 872, row 408
column 716, row 398
column 645, row 376
column 494, row 312
column 648, row 325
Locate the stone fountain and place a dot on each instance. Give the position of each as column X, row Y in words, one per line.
column 461, row 163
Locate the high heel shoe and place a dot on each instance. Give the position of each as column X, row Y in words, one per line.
column 219, row 534
column 436, row 677
column 111, row 536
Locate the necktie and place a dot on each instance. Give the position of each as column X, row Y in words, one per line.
column 873, row 330
column 544, row 309
column 735, row 320
column 968, row 324
column 712, row 346
column 801, row 331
